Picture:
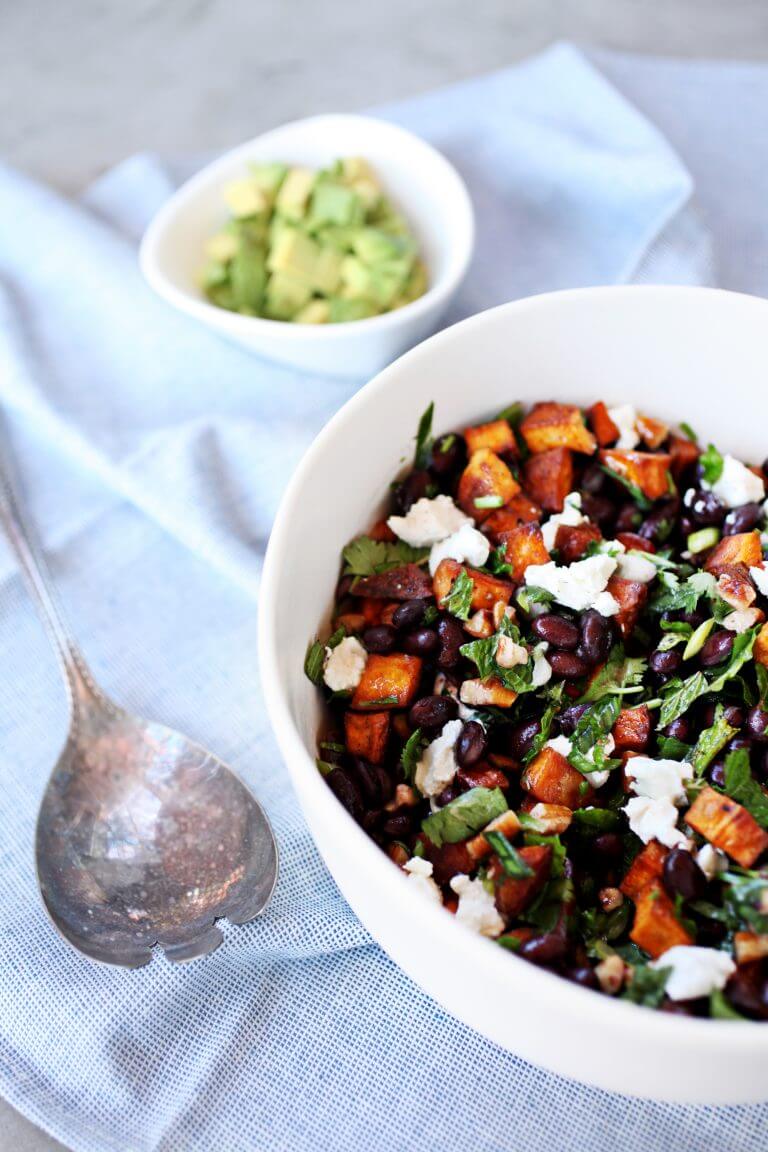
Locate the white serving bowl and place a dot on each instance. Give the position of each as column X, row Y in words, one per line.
column 682, row 354
column 420, row 181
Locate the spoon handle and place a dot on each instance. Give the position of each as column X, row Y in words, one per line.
column 39, row 581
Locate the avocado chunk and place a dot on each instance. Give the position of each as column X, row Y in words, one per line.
column 247, row 277
column 374, row 245
column 342, row 311
column 269, row 177
column 286, row 295
column 334, row 203
column 294, row 194
column 245, row 198
column 316, row 312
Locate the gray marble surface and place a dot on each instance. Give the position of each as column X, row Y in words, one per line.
column 85, row 83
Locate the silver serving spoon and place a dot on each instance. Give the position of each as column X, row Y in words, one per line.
column 143, row 837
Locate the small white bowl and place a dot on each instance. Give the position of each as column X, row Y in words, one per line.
column 684, row 354
column 421, row 182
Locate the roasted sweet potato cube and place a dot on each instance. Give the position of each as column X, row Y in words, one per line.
column 727, row 825
column 382, row 531
column 550, row 778
column 388, row 682
column 507, row 823
column 482, row 693
column 601, row 424
column 406, row 583
column 572, row 540
column 632, row 730
column 656, row 927
column 551, row 425
column 645, row 870
column 519, row 510
column 748, row 947
column 487, row 590
column 652, row 432
column 548, row 478
column 351, row 621
column 371, row 610
column 633, row 542
column 366, row 734
column 631, row 596
column 760, row 650
column 448, row 860
column 743, row 548
column 524, row 546
column 487, row 480
column 648, row 470
column 496, row 436
column 512, row 895
column 684, row 453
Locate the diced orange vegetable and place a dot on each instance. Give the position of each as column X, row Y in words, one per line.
column 401, row 726
column 735, row 586
column 388, row 682
column 748, row 946
column 743, row 548
column 683, row 452
column 382, row 531
column 519, row 510
column 632, row 730
column 652, row 432
column 448, row 860
column 551, row 779
column 551, row 425
column 388, row 611
column 485, row 478
column 656, row 927
column 572, row 540
column 507, row 823
column 760, row 650
column 482, row 693
column 601, row 424
column 727, row 825
column 631, row 596
column 366, row 734
column 524, row 546
column 406, row 583
column 371, row 610
column 512, row 895
column 548, row 478
column 645, row 870
column 497, row 436
column 352, row 622
column 634, row 542
column 487, row 590
column 648, row 470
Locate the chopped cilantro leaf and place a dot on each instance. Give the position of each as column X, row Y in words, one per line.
column 313, row 661
column 412, row 753
column 458, row 600
column 366, row 557
column 711, row 463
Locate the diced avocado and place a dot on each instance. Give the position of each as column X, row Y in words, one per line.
column 221, row 296
column 222, row 247
column 293, row 197
column 336, row 236
column 356, row 168
column 286, row 295
column 356, row 277
column 214, row 273
column 247, row 274
column 388, row 279
column 334, row 203
column 250, row 230
column 369, row 192
column 373, row 246
column 342, row 310
column 295, row 252
column 415, row 286
column 384, row 216
column 326, row 274
column 245, row 198
column 316, row 312
column 269, row 177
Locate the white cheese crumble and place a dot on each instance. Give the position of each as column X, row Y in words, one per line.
column 509, row 654
column 467, row 546
column 542, row 669
column 428, row 521
column 637, row 568
column 477, row 909
column 741, row 619
column 578, row 586
column 560, row 744
column 658, row 786
column 420, row 875
column 571, row 517
column 625, row 419
column 343, row 665
column 760, row 577
column 736, row 485
column 712, row 861
column 564, row 746
column 437, row 766
column 694, row 971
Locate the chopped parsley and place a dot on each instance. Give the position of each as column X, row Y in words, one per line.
column 711, row 463
column 366, row 557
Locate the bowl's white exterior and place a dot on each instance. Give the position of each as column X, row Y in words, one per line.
column 681, row 354
column 427, row 188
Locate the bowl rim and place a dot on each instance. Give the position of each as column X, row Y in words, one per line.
column 583, row 1005
column 460, row 243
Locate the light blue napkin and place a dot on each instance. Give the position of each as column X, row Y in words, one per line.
column 154, row 457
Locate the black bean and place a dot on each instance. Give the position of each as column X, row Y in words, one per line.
column 682, row 875
column 398, row 826
column 737, row 743
column 595, row 637
column 568, row 665
column 678, row 1008
column 521, row 736
column 448, row 454
column 679, row 729
column 742, row 519
column 593, row 479
column 716, row 649
column 609, row 846
column 432, row 711
column 747, row 990
column 706, row 509
column 451, row 636
column 420, row 642
column 556, row 630
column 369, row 781
column 346, row 791
column 409, row 614
column 381, row 638
column 628, row 518
column 410, row 490
column 658, row 525
column 546, row 949
column 445, row 797
column 757, row 725
column 733, row 714
column 584, row 976
column 598, row 508
column 343, row 587
column 716, row 773
column 665, row 664
column 471, row 744
column 569, row 718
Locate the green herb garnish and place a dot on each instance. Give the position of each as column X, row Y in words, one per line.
column 639, row 497
column 458, row 600
column 621, row 675
column 511, row 861
column 711, row 463
column 711, row 741
column 464, row 816
column 424, row 438
column 366, row 557
column 742, row 787
column 412, row 753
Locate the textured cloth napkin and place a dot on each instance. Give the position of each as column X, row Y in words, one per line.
column 153, row 458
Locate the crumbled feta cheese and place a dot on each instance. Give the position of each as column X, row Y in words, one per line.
column 654, row 820
column 542, row 669
column 637, row 568
column 689, row 497
column 578, row 586
column 477, row 909
column 571, row 516
column 343, row 665
column 625, row 419
column 760, row 577
column 420, row 875
column 467, row 546
column 658, row 787
column 428, row 521
column 694, row 971
column 599, row 778
column 509, row 654
column 736, row 485
column 712, row 861
column 741, row 619
column 437, row 766
column 560, row 744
